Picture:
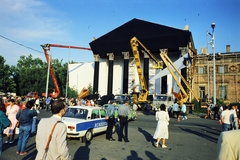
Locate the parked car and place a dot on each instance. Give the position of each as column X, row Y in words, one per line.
column 131, row 116
column 85, row 121
column 120, row 98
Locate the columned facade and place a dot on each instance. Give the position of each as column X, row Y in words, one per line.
column 110, row 73
column 146, row 69
column 125, row 72
column 96, row 73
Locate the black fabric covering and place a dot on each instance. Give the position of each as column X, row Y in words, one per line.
column 153, row 36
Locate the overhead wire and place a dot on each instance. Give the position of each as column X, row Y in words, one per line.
column 21, row 44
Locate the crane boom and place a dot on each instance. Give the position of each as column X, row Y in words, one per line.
column 134, row 44
column 46, row 48
column 169, row 64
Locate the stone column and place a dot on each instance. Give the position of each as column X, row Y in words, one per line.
column 146, row 69
column 110, row 73
column 125, row 72
column 96, row 73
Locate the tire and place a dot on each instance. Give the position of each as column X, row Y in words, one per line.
column 114, row 129
column 134, row 118
column 88, row 136
column 143, row 106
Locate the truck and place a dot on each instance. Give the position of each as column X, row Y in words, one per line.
column 158, row 99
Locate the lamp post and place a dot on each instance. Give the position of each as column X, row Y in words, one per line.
column 49, row 59
column 214, row 66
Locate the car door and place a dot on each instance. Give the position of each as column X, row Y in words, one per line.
column 100, row 123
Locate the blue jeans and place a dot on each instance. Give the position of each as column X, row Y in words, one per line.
column 226, row 127
column 24, row 132
column 34, row 122
column 1, row 143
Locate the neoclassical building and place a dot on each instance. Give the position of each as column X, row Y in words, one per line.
column 227, row 75
column 114, row 65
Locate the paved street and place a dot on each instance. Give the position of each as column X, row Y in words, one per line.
column 194, row 138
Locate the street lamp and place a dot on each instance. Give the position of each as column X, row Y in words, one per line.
column 214, row 66
column 49, row 60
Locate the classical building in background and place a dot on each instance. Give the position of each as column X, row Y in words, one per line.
column 227, row 75
column 115, row 69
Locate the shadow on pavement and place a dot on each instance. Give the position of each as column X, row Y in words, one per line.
column 210, row 138
column 82, row 152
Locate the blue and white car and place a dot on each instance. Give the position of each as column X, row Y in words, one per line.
column 85, row 121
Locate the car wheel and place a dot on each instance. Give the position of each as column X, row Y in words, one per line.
column 134, row 118
column 88, row 136
column 114, row 129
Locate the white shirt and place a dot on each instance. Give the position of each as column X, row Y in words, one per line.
column 221, row 109
column 227, row 116
column 175, row 107
column 37, row 101
column 234, row 113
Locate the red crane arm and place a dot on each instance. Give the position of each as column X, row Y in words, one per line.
column 46, row 47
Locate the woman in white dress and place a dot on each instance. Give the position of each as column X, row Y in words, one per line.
column 11, row 112
column 162, row 126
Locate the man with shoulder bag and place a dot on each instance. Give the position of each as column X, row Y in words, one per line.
column 51, row 135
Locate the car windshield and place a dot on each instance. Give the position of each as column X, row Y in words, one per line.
column 122, row 97
column 160, row 98
column 76, row 113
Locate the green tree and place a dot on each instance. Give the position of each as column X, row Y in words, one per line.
column 7, row 83
column 72, row 93
column 90, row 88
column 30, row 75
column 60, row 72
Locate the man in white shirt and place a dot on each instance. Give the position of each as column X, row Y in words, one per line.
column 226, row 119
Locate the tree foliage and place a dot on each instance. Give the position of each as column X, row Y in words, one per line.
column 30, row 75
column 7, row 83
column 72, row 93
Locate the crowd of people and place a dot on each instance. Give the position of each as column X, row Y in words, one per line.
column 178, row 111
column 227, row 145
column 22, row 114
column 228, row 115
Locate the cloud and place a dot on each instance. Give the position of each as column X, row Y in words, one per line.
column 31, row 23
column 30, row 20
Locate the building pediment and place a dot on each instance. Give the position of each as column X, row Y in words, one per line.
column 153, row 36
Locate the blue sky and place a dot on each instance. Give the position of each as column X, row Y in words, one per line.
column 74, row 22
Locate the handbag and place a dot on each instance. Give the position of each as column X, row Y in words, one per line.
column 18, row 123
column 49, row 139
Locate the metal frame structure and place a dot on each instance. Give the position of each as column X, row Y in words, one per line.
column 134, row 44
column 182, row 98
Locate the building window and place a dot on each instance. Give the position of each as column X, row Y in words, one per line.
column 221, row 69
column 201, row 92
column 201, row 70
column 223, row 92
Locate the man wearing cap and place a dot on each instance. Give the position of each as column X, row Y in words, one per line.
column 110, row 119
column 123, row 112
